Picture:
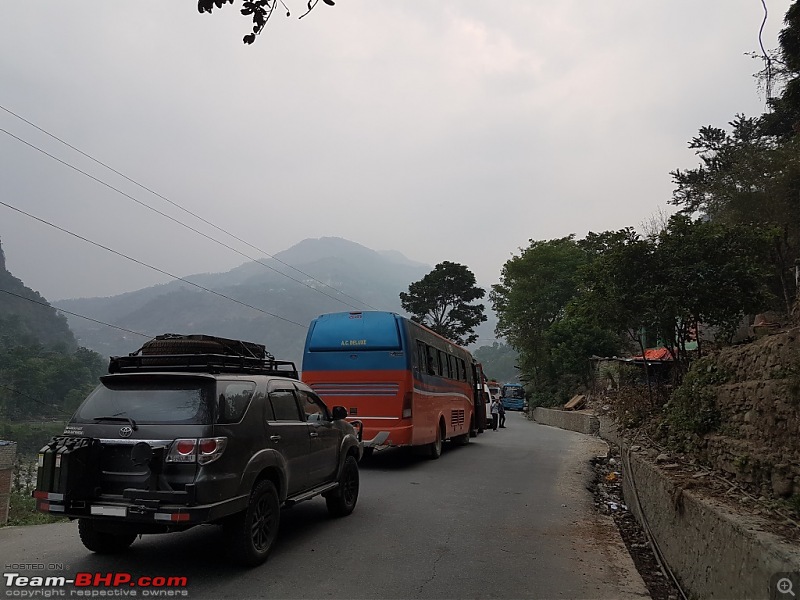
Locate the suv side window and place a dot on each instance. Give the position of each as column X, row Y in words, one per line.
column 314, row 408
column 284, row 405
column 234, row 398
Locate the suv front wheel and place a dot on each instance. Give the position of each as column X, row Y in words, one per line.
column 103, row 542
column 252, row 533
column 343, row 500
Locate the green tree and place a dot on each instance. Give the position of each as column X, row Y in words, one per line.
column 747, row 178
column 783, row 120
column 708, row 274
column 534, row 291
column 441, row 301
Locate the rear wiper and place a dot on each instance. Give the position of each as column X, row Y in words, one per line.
column 116, row 418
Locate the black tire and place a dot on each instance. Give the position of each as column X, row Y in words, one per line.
column 251, row 534
column 103, row 542
column 435, row 448
column 462, row 440
column 473, row 431
column 343, row 500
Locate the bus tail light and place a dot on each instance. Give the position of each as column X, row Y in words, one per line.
column 407, row 398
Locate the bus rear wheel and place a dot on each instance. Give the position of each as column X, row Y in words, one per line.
column 435, row 447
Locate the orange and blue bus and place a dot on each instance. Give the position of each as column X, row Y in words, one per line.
column 408, row 385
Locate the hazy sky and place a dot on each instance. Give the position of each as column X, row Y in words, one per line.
column 452, row 130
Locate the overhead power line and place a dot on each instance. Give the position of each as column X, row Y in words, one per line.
column 24, row 395
column 144, row 264
column 76, row 314
column 187, row 211
column 166, row 216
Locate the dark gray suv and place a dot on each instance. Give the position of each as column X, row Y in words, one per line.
column 198, row 429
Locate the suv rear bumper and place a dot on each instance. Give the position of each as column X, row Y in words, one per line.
column 139, row 508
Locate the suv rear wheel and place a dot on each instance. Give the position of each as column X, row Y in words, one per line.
column 343, row 500
column 103, row 542
column 252, row 533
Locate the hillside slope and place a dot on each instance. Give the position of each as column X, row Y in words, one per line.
column 26, row 318
column 368, row 280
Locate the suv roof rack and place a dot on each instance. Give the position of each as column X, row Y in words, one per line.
column 202, row 353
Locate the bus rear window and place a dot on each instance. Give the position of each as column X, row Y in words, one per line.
column 354, row 331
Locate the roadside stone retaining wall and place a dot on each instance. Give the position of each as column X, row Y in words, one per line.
column 758, row 440
column 8, row 451
column 713, row 552
column 581, row 422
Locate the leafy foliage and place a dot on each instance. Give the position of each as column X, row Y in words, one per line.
column 532, row 302
column 43, row 374
column 260, row 10
column 692, row 408
column 562, row 301
column 441, row 301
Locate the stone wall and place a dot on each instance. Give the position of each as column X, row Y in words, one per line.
column 8, row 452
column 713, row 552
column 758, row 439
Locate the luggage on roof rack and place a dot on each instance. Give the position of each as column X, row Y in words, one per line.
column 202, row 353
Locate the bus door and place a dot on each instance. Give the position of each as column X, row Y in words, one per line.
column 477, row 394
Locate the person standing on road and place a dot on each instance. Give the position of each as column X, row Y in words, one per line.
column 495, row 410
column 501, row 413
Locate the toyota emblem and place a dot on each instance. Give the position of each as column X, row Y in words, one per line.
column 125, row 431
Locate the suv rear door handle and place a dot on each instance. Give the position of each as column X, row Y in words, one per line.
column 275, row 438
column 314, row 434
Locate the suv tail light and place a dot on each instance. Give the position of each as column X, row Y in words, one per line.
column 201, row 451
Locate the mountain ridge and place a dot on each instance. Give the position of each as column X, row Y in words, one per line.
column 345, row 275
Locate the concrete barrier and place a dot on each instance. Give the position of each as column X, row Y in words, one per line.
column 714, row 552
column 581, row 422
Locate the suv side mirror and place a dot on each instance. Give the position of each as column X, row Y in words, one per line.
column 339, row 413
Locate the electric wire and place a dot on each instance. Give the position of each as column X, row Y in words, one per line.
column 187, row 211
column 144, row 264
column 166, row 216
column 76, row 314
column 24, row 395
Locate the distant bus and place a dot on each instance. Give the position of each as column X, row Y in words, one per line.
column 513, row 396
column 408, row 385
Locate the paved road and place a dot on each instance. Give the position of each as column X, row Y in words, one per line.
column 507, row 516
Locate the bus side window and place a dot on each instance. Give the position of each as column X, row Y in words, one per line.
column 432, row 361
column 422, row 357
column 443, row 362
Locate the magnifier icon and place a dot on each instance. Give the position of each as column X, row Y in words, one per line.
column 784, row 586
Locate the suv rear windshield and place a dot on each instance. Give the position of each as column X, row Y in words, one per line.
column 152, row 401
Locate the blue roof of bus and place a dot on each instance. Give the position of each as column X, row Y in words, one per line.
column 368, row 330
